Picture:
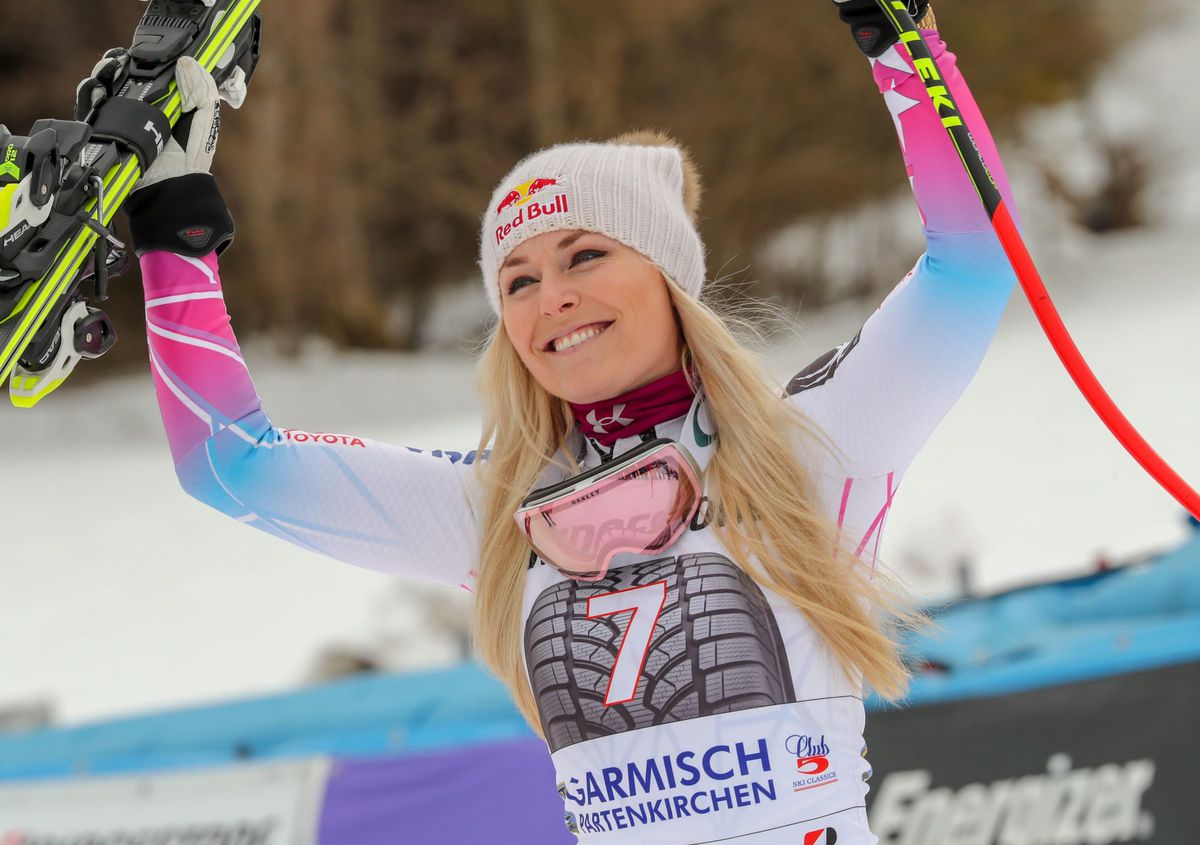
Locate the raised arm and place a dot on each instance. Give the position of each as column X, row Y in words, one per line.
column 383, row 507
column 881, row 394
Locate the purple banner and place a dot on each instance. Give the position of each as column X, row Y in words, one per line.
column 498, row 793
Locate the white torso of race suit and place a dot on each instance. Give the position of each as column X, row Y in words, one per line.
column 682, row 703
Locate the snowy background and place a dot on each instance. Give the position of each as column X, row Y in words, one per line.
column 118, row 594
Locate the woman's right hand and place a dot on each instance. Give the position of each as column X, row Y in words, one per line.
column 872, row 30
column 201, row 119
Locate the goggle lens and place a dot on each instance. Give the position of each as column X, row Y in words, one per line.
column 643, row 508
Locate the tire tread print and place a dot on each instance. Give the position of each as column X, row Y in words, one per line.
column 716, row 648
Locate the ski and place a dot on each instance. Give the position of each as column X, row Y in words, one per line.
column 61, row 187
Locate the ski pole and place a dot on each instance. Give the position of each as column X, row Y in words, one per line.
column 1022, row 262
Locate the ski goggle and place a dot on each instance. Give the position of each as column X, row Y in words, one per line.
column 639, row 502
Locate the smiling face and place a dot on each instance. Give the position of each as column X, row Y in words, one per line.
column 589, row 317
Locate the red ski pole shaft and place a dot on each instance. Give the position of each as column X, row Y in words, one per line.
column 1027, row 273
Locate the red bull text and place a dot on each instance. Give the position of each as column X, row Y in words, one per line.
column 531, row 212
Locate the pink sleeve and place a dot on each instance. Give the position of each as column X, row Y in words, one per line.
column 946, row 198
column 384, row 507
column 880, row 395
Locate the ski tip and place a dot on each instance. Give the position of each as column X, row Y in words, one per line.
column 26, row 390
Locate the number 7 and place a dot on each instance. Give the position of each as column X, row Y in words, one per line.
column 635, row 643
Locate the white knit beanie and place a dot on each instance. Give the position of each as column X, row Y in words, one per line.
column 631, row 189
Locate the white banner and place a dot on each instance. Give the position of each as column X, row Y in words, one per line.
column 274, row 803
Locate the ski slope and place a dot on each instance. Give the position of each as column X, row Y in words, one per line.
column 120, row 594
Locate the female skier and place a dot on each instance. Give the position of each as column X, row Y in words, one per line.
column 671, row 565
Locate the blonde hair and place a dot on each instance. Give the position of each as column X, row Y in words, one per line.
column 798, row 550
column 783, row 540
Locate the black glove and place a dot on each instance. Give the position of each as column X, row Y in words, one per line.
column 873, row 31
column 177, row 205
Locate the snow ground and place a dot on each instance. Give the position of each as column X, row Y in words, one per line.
column 120, row 594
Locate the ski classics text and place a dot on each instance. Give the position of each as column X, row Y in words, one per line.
column 812, row 762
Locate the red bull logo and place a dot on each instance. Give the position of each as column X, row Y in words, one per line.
column 512, row 197
column 521, row 197
column 523, row 193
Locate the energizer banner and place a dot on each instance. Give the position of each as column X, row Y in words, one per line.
column 1104, row 762
column 249, row 804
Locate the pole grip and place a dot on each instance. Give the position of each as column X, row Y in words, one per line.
column 944, row 102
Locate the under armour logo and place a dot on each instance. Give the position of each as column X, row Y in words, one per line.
column 615, row 417
column 153, row 130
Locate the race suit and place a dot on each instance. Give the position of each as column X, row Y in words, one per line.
column 681, row 703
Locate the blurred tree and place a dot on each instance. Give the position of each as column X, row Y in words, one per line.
column 1114, row 194
column 375, row 131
